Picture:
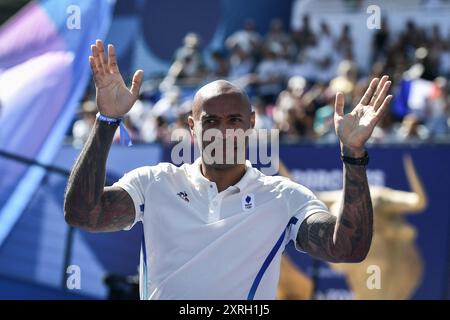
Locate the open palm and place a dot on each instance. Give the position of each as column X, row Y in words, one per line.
column 354, row 129
column 114, row 99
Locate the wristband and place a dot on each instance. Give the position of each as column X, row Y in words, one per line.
column 364, row 161
column 124, row 136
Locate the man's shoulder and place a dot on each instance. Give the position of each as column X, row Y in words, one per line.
column 166, row 168
column 284, row 184
column 158, row 170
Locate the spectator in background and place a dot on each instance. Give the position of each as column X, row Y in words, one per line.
column 325, row 70
column 304, row 37
column 380, row 42
column 262, row 119
column 83, row 126
column 444, row 62
column 295, row 129
column 155, row 129
column 294, row 112
column 139, row 112
column 188, row 69
column 168, row 106
column 361, row 84
column 271, row 73
column 303, row 66
column 220, row 67
column 242, row 65
column 324, row 43
column 291, row 98
column 317, row 96
column 324, row 120
column 437, row 109
column 344, row 43
column 276, row 35
column 322, row 65
column 411, row 130
column 247, row 39
column 180, row 129
column 132, row 131
column 435, row 47
column 385, row 131
column 324, row 55
column 346, row 79
column 409, row 40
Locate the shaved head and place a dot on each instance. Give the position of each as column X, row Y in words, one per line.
column 214, row 91
column 221, row 106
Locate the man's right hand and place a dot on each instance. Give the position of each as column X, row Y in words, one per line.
column 114, row 99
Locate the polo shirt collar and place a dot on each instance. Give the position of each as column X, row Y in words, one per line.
column 198, row 179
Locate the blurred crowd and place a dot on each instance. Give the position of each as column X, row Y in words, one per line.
column 292, row 78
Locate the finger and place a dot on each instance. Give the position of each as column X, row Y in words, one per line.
column 112, row 62
column 93, row 66
column 382, row 95
column 98, row 64
column 368, row 94
column 339, row 104
column 136, row 84
column 378, row 91
column 101, row 53
column 384, row 107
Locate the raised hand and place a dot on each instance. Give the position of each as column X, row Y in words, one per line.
column 114, row 99
column 354, row 129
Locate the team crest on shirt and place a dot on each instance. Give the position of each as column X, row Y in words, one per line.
column 183, row 195
column 248, row 202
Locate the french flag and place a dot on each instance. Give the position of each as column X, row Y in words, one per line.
column 412, row 96
column 44, row 72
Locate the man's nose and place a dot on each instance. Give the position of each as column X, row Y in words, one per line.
column 225, row 132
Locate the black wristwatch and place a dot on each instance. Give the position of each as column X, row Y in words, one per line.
column 363, row 161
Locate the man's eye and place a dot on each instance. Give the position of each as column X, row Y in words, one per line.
column 210, row 121
column 234, row 120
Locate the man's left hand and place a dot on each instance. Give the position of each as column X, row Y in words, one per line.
column 354, row 129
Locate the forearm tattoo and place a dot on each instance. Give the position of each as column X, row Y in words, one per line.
column 347, row 237
column 88, row 203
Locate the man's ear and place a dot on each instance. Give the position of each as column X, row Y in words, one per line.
column 252, row 119
column 191, row 125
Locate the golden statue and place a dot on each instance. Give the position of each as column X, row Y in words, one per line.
column 393, row 249
column 293, row 284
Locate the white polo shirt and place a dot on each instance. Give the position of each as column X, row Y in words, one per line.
column 202, row 244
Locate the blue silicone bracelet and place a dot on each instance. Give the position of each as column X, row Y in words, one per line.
column 124, row 136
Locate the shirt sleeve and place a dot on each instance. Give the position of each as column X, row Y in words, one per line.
column 301, row 204
column 136, row 183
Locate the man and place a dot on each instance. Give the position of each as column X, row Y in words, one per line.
column 212, row 230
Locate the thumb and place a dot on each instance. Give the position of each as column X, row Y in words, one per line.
column 137, row 81
column 339, row 104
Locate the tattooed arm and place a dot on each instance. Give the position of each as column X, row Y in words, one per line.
column 88, row 204
column 347, row 236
